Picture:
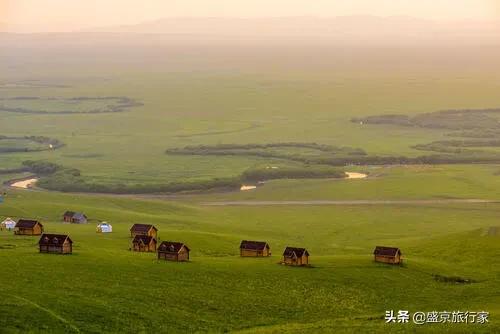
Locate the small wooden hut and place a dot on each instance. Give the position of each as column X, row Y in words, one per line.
column 144, row 243
column 28, row 227
column 173, row 251
column 75, row 217
column 391, row 255
column 254, row 248
column 55, row 244
column 294, row 256
column 143, row 229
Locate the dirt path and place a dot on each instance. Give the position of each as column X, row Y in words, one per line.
column 354, row 175
column 24, row 184
column 350, row 202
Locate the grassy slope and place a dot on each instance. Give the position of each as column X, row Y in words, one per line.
column 297, row 94
column 104, row 287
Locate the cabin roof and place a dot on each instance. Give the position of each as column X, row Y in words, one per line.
column 386, row 251
column 54, row 239
column 253, row 245
column 141, row 227
column 299, row 252
column 75, row 215
column 172, row 247
column 27, row 223
column 146, row 239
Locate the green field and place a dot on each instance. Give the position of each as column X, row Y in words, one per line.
column 191, row 101
column 103, row 287
column 245, row 95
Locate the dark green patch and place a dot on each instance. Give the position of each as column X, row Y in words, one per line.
column 97, row 105
column 453, row 279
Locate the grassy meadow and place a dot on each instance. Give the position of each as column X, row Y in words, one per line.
column 249, row 98
column 103, row 287
column 213, row 93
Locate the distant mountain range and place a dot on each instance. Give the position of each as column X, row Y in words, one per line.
column 343, row 27
column 364, row 29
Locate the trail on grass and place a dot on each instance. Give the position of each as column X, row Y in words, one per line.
column 350, row 202
column 50, row 312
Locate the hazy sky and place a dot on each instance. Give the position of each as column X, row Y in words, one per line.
column 66, row 15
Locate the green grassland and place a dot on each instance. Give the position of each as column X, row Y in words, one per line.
column 103, row 287
column 243, row 101
column 241, row 94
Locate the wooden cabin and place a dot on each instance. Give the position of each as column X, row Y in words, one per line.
column 143, row 229
column 28, row 227
column 74, row 217
column 390, row 255
column 173, row 251
column 55, row 244
column 254, row 248
column 144, row 243
column 294, row 256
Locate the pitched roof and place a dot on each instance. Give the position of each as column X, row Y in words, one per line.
column 27, row 223
column 146, row 239
column 298, row 252
column 54, row 239
column 69, row 214
column 141, row 227
column 79, row 215
column 172, row 247
column 254, row 245
column 75, row 215
column 386, row 251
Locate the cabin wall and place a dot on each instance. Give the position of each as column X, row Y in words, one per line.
column 300, row 261
column 388, row 259
column 37, row 230
column 168, row 256
column 254, row 253
column 248, row 252
column 144, row 248
column 67, row 248
column 183, row 255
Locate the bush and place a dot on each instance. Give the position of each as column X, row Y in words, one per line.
column 254, row 175
column 42, row 167
column 453, row 279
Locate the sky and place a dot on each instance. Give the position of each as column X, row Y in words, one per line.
column 69, row 15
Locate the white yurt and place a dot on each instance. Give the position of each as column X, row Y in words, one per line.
column 8, row 224
column 104, row 228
